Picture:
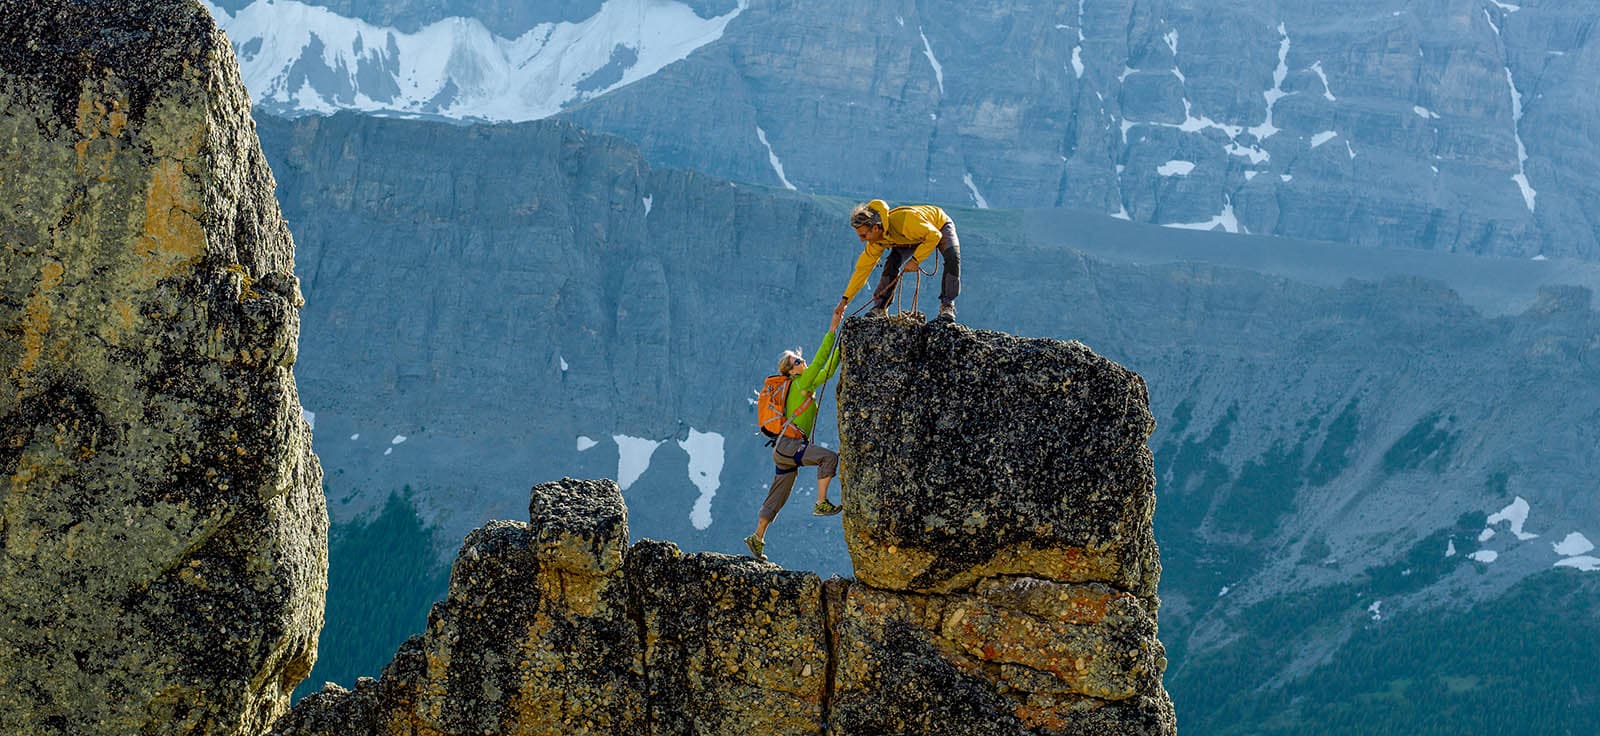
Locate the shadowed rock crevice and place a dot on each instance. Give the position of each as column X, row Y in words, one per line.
column 941, row 633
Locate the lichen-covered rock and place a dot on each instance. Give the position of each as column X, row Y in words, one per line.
column 969, row 454
column 732, row 646
column 534, row 637
column 1016, row 656
column 163, row 535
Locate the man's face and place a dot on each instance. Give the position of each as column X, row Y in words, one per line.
column 869, row 233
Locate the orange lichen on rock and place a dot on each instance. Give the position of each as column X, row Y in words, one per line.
column 36, row 319
column 173, row 236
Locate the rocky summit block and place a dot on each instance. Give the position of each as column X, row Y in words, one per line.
column 969, row 454
column 163, row 534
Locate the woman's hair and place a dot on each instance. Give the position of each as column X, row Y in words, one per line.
column 862, row 214
column 790, row 357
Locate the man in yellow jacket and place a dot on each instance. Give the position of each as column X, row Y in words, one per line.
column 910, row 233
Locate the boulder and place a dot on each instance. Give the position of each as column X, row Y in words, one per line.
column 163, row 534
column 969, row 454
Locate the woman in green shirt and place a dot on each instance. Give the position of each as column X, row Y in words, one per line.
column 790, row 452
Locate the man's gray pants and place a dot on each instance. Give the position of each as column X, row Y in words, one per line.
column 949, row 286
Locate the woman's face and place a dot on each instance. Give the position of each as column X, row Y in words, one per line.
column 798, row 367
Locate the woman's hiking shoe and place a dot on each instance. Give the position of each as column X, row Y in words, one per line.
column 757, row 547
column 825, row 508
column 947, row 313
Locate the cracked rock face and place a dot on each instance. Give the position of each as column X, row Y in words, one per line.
column 163, row 535
column 556, row 626
column 969, row 454
column 534, row 637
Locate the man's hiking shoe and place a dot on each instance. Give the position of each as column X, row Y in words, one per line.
column 947, row 313
column 825, row 508
column 757, row 547
column 877, row 312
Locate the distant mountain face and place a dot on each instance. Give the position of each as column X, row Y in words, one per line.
column 492, row 306
column 300, row 58
column 506, row 18
column 1453, row 125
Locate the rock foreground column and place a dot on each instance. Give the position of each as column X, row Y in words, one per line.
column 557, row 628
column 999, row 494
column 972, row 454
column 163, row 534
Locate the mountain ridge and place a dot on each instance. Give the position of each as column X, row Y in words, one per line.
column 1447, row 135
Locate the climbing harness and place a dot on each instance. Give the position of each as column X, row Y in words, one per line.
column 916, row 289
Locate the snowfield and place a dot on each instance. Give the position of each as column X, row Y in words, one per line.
column 308, row 58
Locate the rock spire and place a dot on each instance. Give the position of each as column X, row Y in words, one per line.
column 163, row 535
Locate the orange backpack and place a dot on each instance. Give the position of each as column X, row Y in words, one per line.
column 770, row 403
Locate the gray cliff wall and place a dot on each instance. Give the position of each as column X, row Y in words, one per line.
column 1413, row 141
column 161, row 515
column 557, row 626
column 1458, row 126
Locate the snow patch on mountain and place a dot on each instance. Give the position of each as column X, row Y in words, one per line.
column 1521, row 177
column 705, row 472
column 772, row 158
column 1266, row 129
column 1224, row 219
column 1327, row 94
column 1515, row 515
column 1175, row 168
column 633, row 458
column 938, row 69
column 1574, row 544
column 977, row 196
column 305, row 58
column 1256, row 155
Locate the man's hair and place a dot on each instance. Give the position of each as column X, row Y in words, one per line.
column 862, row 214
column 790, row 357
